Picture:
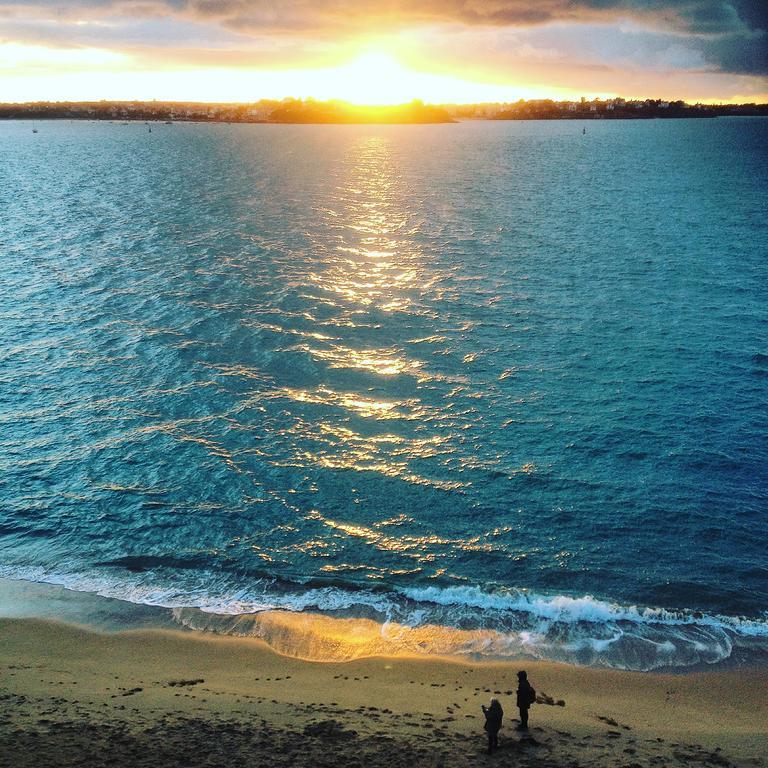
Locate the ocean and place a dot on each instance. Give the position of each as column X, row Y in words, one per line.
column 500, row 388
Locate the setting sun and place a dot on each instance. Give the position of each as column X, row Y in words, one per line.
column 376, row 77
column 372, row 78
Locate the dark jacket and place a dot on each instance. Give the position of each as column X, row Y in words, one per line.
column 524, row 694
column 493, row 717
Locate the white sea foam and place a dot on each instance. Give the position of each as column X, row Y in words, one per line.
column 562, row 608
column 581, row 630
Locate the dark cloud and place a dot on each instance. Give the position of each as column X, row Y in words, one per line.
column 731, row 33
column 742, row 55
column 695, row 16
column 746, row 53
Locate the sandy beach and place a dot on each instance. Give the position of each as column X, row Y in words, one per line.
column 72, row 696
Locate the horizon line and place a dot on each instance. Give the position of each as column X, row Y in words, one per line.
column 346, row 102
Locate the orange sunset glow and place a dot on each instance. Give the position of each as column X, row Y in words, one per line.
column 378, row 53
column 368, row 77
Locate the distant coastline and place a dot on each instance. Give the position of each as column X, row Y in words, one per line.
column 296, row 111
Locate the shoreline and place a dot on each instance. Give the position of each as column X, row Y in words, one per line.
column 315, row 636
column 170, row 697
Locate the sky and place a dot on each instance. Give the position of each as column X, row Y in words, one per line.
column 383, row 51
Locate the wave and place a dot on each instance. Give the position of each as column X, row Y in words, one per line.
column 567, row 609
column 343, row 621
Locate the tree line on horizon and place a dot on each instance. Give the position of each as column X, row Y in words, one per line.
column 314, row 111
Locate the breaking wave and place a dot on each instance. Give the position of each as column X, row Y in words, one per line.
column 342, row 621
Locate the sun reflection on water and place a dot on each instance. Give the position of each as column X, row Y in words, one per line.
column 368, row 262
column 375, row 262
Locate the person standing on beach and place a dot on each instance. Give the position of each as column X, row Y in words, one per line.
column 526, row 696
column 493, row 718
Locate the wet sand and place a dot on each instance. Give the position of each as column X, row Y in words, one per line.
column 71, row 696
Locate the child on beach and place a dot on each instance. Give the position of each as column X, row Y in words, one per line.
column 493, row 717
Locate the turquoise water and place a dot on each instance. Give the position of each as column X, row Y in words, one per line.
column 484, row 375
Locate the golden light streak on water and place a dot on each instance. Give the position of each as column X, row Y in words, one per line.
column 315, row 637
